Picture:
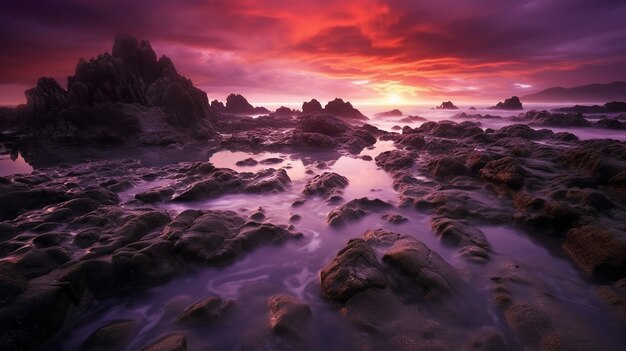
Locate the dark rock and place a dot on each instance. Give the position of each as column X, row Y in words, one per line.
column 447, row 105
column 355, row 210
column 506, row 171
column 343, row 109
column 207, row 311
column 155, row 195
column 412, row 141
column 171, row 342
column 599, row 250
column 112, row 335
column 290, row 319
column 248, row 162
column 285, row 111
column 325, row 184
column 424, row 271
column 12, row 282
column 311, row 107
column 611, row 123
column 446, row 166
column 237, row 104
column 609, row 107
column 411, row 119
column 458, row 233
column 395, row 160
column 392, row 113
column 271, row 161
column 394, row 218
column 322, row 124
column 90, row 278
column 355, row 269
column 544, row 118
column 449, row 129
column 33, row 317
column 512, row 103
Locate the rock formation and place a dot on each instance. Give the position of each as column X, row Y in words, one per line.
column 446, row 105
column 512, row 103
column 103, row 91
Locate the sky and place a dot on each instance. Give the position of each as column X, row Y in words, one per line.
column 368, row 51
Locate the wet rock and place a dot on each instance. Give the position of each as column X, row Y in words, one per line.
column 155, row 195
column 207, row 311
column 354, row 210
column 355, row 269
column 111, row 335
column 610, row 123
column 290, row 319
column 50, row 239
column 267, row 181
column 412, row 141
column 512, row 103
column 295, row 218
column 598, row 249
column 14, row 201
column 412, row 119
column 487, row 339
column 395, row 160
column 171, row 342
column 506, row 171
column 271, row 161
column 33, row 317
column 325, row 184
column 87, row 237
column 12, row 282
column 459, row 233
column 615, row 297
column 446, row 166
column 322, row 124
column 248, row 162
column 544, row 118
column 602, row 159
column 298, row 203
column 36, row 263
column 90, row 279
column 609, row 107
column 416, row 266
column 447, row 105
column 450, row 129
column 257, row 216
column 394, row 218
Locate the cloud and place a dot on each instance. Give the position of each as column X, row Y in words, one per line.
column 299, row 48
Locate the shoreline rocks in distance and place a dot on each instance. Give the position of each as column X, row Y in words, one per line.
column 446, row 105
column 512, row 103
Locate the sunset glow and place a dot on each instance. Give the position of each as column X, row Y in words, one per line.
column 271, row 51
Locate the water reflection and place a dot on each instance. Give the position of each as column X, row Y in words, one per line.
column 13, row 163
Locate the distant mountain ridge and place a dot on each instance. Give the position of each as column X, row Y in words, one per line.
column 615, row 91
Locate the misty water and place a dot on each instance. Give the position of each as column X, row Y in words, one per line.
column 294, row 268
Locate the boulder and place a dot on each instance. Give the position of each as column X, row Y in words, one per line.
column 325, row 184
column 599, row 250
column 170, row 342
column 207, row 311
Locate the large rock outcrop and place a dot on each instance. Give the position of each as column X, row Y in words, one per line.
column 512, row 103
column 108, row 88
